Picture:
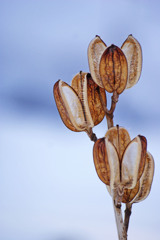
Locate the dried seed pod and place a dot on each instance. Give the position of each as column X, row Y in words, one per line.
column 133, row 162
column 101, row 161
column 145, row 180
column 143, row 155
column 133, row 52
column 120, row 138
column 91, row 96
column 120, row 162
column 69, row 106
column 79, row 84
column 95, row 51
column 114, row 165
column 113, row 69
column 96, row 98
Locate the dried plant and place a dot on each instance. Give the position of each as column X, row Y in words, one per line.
column 123, row 165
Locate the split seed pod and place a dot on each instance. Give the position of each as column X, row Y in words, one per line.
column 133, row 52
column 120, row 162
column 146, row 179
column 95, row 51
column 113, row 68
column 79, row 105
column 143, row 186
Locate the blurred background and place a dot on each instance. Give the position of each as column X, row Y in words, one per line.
column 49, row 189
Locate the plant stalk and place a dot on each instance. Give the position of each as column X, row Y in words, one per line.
column 128, row 212
column 122, row 235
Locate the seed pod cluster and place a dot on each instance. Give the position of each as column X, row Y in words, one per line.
column 80, row 105
column 124, row 164
column 114, row 68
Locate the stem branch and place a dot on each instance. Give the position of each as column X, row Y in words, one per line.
column 109, row 113
column 128, row 212
column 91, row 135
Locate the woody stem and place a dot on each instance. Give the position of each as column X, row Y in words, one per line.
column 109, row 113
column 119, row 221
column 91, row 135
column 109, row 120
column 128, row 212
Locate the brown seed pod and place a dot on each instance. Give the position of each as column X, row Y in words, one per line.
column 95, row 51
column 101, row 161
column 133, row 162
column 96, row 95
column 143, row 155
column 91, row 96
column 113, row 69
column 79, row 84
column 120, row 138
column 146, row 179
column 69, row 106
column 133, row 52
column 114, row 164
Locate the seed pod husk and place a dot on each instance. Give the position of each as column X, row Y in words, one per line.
column 113, row 69
column 69, row 106
column 120, row 138
column 133, row 162
column 91, row 96
column 133, row 52
column 101, row 161
column 95, row 51
column 146, row 179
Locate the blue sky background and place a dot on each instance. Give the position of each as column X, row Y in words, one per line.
column 49, row 189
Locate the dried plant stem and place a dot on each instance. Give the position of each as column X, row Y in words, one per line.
column 122, row 235
column 114, row 102
column 128, row 212
column 91, row 135
column 109, row 121
column 109, row 113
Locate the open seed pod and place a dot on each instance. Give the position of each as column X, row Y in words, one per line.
column 146, row 179
column 95, row 51
column 91, row 96
column 120, row 162
column 143, row 186
column 80, row 105
column 69, row 106
column 113, row 68
column 133, row 52
column 101, row 161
